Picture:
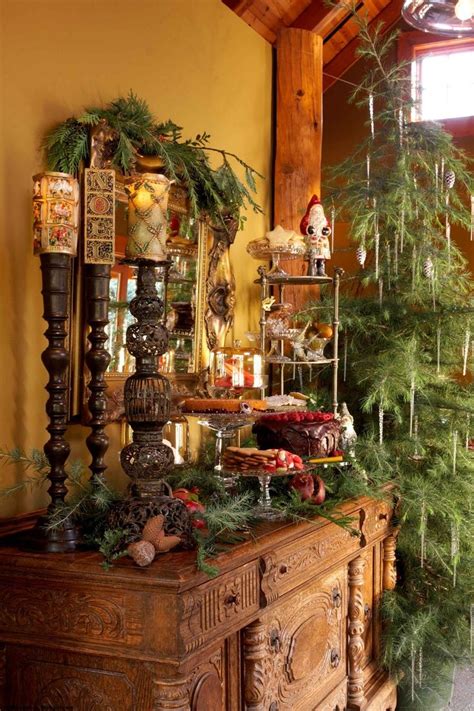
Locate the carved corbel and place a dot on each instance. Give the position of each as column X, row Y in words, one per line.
column 356, row 647
column 220, row 284
column 255, row 665
column 171, row 695
column 389, row 562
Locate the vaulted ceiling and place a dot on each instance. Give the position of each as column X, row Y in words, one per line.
column 335, row 24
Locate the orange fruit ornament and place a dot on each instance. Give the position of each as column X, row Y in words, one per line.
column 324, row 330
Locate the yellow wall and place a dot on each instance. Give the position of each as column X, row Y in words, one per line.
column 192, row 60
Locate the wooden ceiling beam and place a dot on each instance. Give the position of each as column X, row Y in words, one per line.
column 345, row 59
column 312, row 16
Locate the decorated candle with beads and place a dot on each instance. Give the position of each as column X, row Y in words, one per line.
column 147, row 222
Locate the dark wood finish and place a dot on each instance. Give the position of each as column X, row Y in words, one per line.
column 56, row 279
column 269, row 632
column 97, row 284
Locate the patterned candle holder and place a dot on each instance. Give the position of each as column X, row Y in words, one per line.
column 55, row 213
column 147, row 205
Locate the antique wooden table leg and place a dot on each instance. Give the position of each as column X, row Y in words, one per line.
column 389, row 568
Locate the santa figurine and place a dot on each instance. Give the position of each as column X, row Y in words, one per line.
column 316, row 229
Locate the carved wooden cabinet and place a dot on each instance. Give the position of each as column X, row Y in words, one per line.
column 291, row 623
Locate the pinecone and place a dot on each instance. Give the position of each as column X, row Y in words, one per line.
column 142, row 552
column 361, row 255
column 153, row 530
column 449, row 179
column 428, row 268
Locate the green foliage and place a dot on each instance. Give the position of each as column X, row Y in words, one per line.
column 211, row 191
column 405, row 333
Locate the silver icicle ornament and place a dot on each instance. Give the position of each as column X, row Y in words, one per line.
column 361, row 255
column 449, row 179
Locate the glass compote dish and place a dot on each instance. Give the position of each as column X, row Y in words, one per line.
column 233, row 370
column 263, row 249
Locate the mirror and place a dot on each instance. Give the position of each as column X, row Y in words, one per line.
column 197, row 288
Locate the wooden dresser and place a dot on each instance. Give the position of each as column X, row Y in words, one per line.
column 290, row 623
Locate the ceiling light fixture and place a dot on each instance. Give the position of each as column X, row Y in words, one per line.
column 454, row 18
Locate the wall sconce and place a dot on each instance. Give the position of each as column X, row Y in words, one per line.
column 147, row 216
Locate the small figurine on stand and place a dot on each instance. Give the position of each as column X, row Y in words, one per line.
column 348, row 433
column 315, row 227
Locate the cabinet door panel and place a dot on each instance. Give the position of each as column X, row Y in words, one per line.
column 295, row 654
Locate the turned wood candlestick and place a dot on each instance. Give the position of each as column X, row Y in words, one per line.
column 56, row 277
column 97, row 359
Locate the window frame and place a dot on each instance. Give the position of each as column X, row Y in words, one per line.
column 414, row 45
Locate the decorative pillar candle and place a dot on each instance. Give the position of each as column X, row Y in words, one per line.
column 55, row 213
column 147, row 205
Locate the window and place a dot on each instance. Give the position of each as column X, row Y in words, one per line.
column 442, row 77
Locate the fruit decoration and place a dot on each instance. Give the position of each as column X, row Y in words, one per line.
column 190, row 498
column 319, row 489
column 324, row 330
column 304, row 485
column 316, row 227
column 310, row 487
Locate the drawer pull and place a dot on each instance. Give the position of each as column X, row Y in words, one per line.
column 232, row 600
column 283, row 569
column 275, row 640
column 336, row 597
column 335, row 659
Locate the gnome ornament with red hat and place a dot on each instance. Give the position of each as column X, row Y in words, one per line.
column 316, row 229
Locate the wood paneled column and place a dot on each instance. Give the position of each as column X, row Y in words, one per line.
column 299, row 116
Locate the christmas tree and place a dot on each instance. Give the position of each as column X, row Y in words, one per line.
column 407, row 327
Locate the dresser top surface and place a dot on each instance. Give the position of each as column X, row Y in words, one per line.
column 177, row 569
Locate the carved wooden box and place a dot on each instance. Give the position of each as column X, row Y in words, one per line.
column 291, row 623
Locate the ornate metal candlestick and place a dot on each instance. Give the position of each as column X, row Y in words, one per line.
column 147, row 394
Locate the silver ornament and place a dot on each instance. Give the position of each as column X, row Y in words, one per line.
column 428, row 268
column 361, row 255
column 449, row 179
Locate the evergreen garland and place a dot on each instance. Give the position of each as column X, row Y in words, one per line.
column 211, row 191
column 408, row 317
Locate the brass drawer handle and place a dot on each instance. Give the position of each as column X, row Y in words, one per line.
column 335, row 659
column 232, row 600
column 283, row 569
column 336, row 597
